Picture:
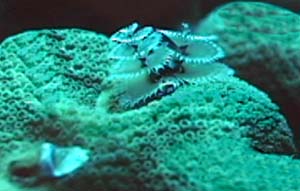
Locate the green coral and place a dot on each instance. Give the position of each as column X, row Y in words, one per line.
column 198, row 138
column 201, row 137
column 39, row 68
column 262, row 40
column 50, row 60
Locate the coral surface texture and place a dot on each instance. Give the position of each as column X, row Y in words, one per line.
column 157, row 115
column 262, row 43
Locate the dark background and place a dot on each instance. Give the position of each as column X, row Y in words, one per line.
column 106, row 16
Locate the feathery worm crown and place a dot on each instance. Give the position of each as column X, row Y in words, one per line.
column 151, row 63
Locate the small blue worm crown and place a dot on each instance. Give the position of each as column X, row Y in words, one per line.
column 151, row 63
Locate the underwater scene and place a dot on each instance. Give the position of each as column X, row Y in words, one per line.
column 150, row 96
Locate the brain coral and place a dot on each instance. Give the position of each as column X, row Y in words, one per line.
column 201, row 137
column 39, row 68
column 198, row 138
column 262, row 40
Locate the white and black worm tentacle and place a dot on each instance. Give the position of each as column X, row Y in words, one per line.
column 166, row 87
